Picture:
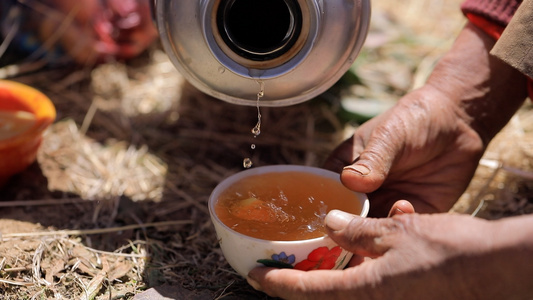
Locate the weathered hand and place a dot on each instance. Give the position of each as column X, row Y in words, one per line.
column 426, row 148
column 421, row 150
column 429, row 256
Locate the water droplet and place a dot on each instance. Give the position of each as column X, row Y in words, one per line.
column 221, row 70
column 257, row 129
column 255, row 73
column 247, row 163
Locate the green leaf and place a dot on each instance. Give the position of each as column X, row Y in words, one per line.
column 274, row 264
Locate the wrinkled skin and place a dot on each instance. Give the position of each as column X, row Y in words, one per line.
column 93, row 31
column 425, row 150
column 414, row 152
column 439, row 256
column 427, row 147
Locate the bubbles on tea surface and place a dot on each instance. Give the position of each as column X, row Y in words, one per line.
column 316, row 224
column 322, row 211
column 309, row 227
column 312, row 227
column 283, row 197
column 247, row 163
column 280, row 214
column 252, row 146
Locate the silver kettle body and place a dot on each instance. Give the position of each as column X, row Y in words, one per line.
column 296, row 48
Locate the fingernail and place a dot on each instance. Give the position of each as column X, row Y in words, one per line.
column 358, row 168
column 337, row 220
column 253, row 283
column 395, row 211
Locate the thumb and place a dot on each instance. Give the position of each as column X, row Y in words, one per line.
column 362, row 236
column 369, row 170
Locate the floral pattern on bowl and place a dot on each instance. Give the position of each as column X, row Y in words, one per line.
column 321, row 258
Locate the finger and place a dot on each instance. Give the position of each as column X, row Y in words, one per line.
column 356, row 260
column 401, row 207
column 369, row 170
column 344, row 155
column 291, row 284
column 362, row 236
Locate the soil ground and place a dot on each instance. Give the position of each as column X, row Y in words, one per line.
column 116, row 202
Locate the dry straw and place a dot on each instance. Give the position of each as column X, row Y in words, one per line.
column 136, row 151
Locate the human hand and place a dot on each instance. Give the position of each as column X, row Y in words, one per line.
column 415, row 257
column 427, row 147
column 421, row 150
column 98, row 30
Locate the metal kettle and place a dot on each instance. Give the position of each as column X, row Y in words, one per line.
column 296, row 48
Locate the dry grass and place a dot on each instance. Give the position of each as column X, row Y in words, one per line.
column 128, row 182
column 503, row 183
column 117, row 201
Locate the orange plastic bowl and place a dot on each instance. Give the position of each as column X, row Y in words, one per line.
column 19, row 151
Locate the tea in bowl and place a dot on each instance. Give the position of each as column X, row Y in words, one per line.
column 24, row 114
column 274, row 216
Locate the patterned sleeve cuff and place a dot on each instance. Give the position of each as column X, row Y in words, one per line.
column 498, row 12
column 492, row 29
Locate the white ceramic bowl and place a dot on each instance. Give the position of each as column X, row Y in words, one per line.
column 243, row 253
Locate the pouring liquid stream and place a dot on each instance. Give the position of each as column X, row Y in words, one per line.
column 247, row 163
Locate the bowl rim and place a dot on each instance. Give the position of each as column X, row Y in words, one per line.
column 273, row 169
column 41, row 107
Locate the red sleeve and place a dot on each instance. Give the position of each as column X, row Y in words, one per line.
column 491, row 28
column 498, row 12
column 492, row 16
